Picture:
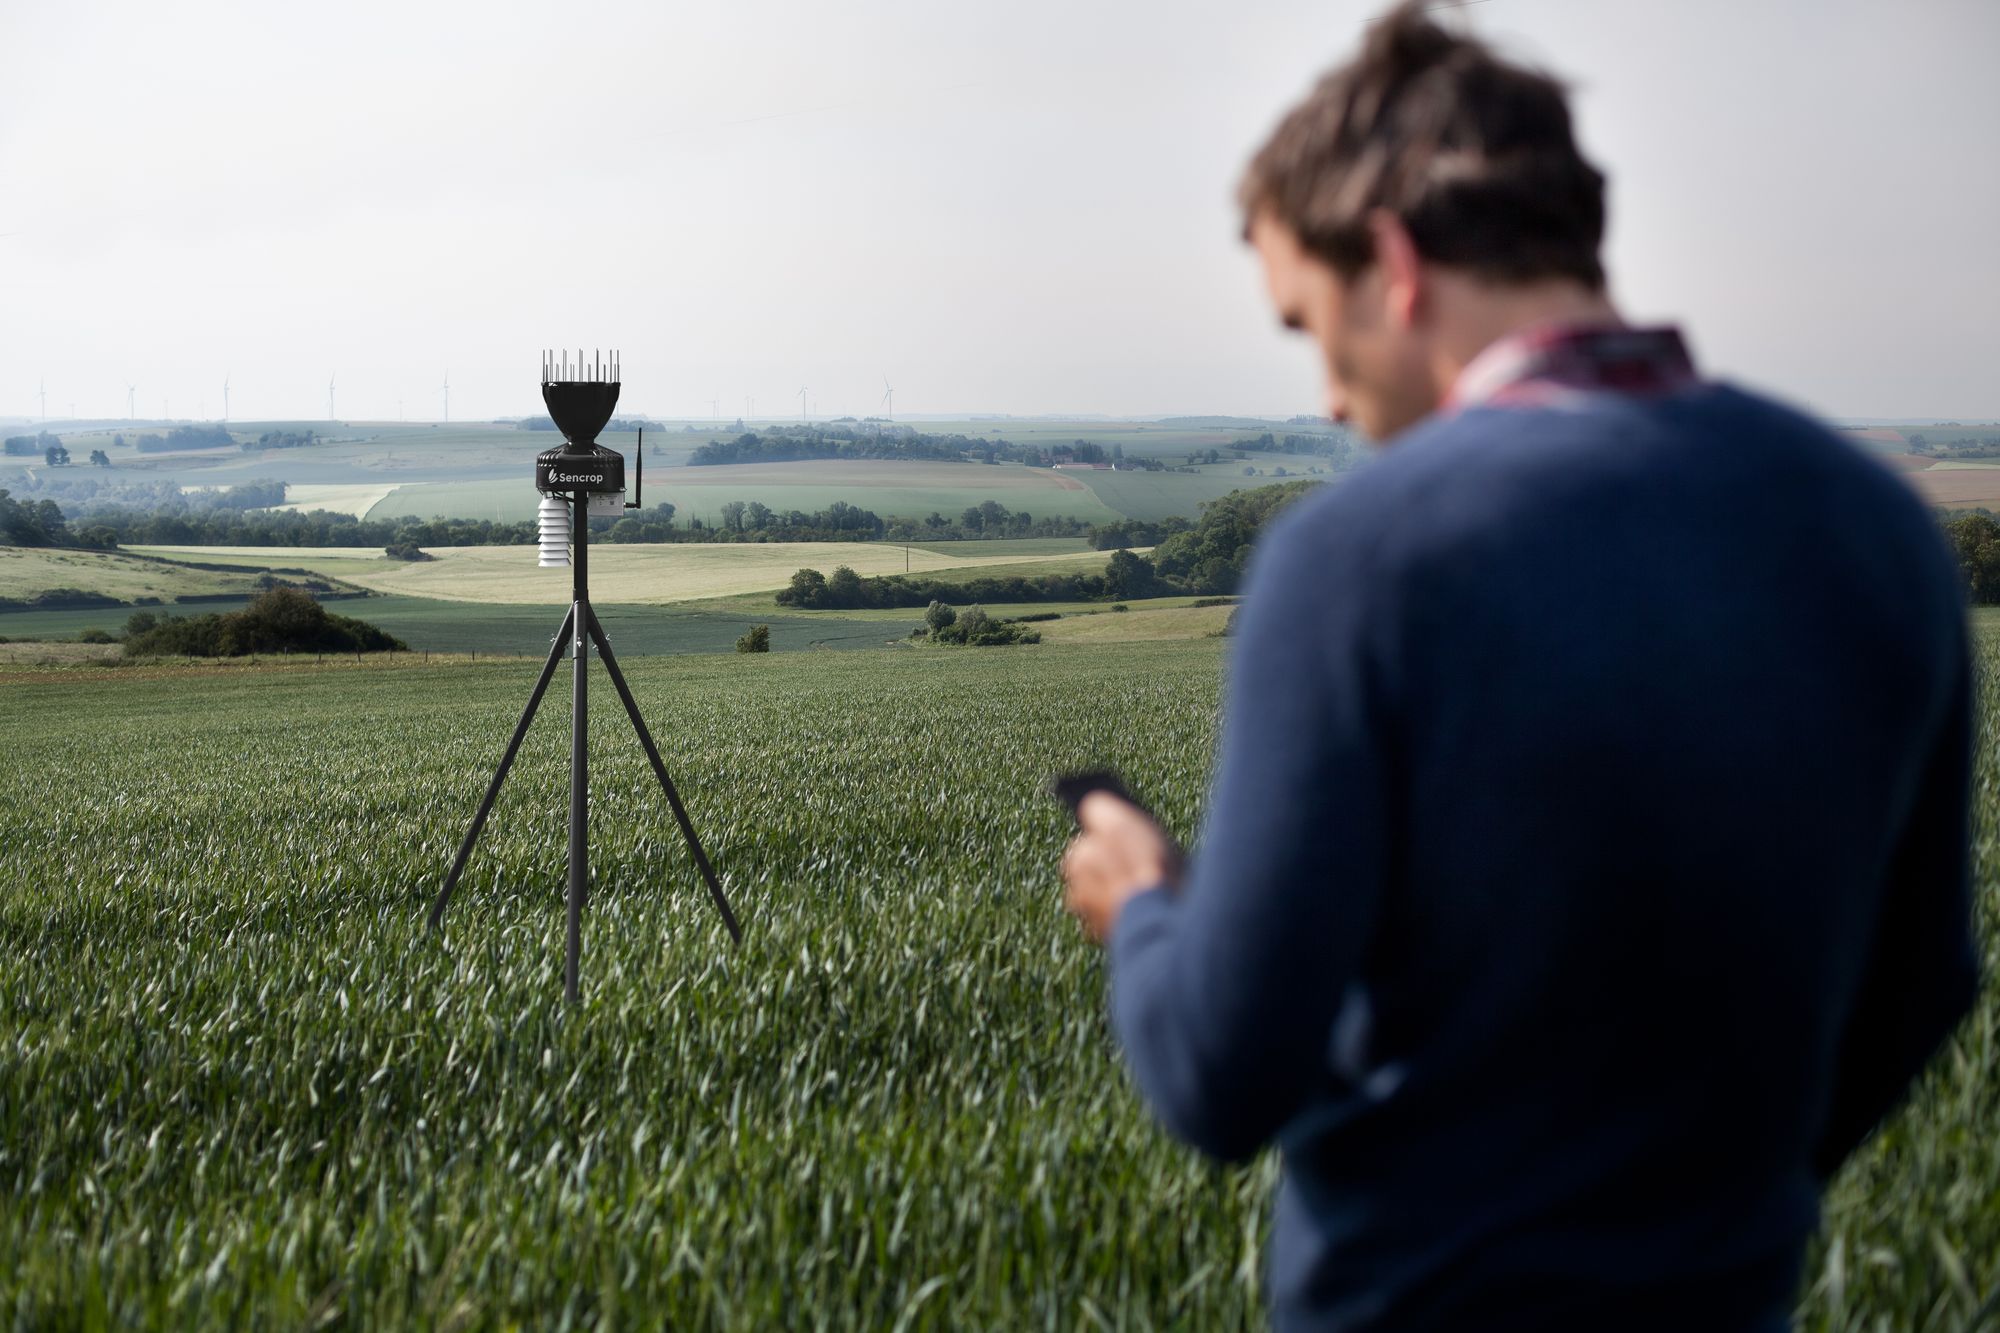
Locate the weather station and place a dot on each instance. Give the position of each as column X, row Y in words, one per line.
column 578, row 480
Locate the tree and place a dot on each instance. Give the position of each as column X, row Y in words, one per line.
column 807, row 590
column 99, row 458
column 972, row 520
column 1976, row 539
column 844, row 588
column 757, row 516
column 56, row 455
column 1128, row 576
column 939, row 616
column 758, row 640
column 992, row 514
column 732, row 516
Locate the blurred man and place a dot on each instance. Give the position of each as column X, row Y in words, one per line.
column 1585, row 870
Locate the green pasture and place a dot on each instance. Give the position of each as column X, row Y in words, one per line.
column 241, row 1086
column 891, row 489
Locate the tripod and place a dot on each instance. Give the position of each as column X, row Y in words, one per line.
column 579, row 630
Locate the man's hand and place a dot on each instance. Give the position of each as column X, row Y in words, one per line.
column 1119, row 853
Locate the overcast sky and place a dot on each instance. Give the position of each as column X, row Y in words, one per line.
column 1010, row 206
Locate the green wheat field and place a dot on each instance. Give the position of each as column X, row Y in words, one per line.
column 240, row 1086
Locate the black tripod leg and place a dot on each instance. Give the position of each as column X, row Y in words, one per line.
column 660, row 771
column 500, row 776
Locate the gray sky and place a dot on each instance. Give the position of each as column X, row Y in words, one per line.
column 1009, row 207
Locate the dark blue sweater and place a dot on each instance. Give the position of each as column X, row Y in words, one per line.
column 1585, row 872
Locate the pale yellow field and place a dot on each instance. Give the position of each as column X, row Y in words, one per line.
column 355, row 498
column 262, row 557
column 1136, row 626
column 670, row 573
column 27, row 570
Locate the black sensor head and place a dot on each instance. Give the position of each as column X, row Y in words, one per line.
column 580, row 394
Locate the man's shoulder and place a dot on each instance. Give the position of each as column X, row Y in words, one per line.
column 1476, row 476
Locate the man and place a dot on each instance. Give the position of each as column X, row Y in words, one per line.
column 1585, row 869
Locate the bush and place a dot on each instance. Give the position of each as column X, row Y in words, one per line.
column 282, row 620
column 1120, row 606
column 95, row 635
column 939, row 616
column 758, row 640
column 404, row 551
column 976, row 629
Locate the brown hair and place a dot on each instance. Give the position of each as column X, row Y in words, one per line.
column 1475, row 157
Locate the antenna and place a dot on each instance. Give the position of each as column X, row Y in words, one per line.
column 329, row 399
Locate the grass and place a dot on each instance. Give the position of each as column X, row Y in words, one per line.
column 1142, row 623
column 257, row 1093
column 240, row 1086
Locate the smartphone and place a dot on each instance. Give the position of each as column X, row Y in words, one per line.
column 1071, row 788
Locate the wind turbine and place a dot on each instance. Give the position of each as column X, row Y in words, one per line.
column 45, row 400
column 715, row 408
column 131, row 397
column 329, row 398
column 888, row 399
column 447, row 397
column 802, row 405
column 225, row 395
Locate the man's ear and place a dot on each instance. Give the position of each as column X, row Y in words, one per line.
column 1402, row 267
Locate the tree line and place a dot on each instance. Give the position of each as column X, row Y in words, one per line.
column 159, row 514
column 875, row 441
column 1207, row 558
